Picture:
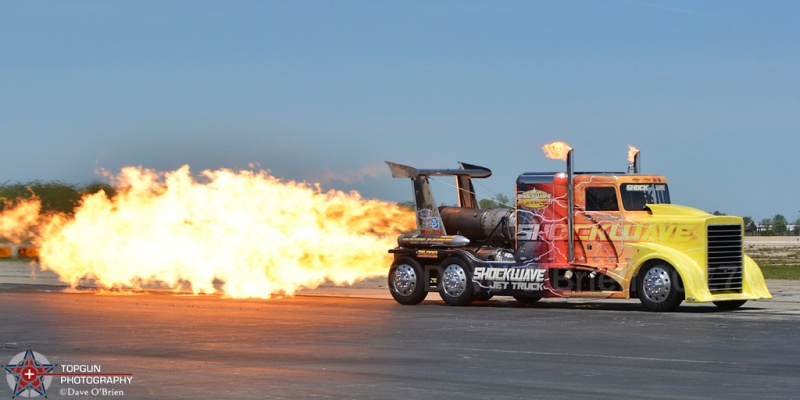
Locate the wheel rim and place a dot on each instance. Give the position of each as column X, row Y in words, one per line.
column 657, row 284
column 454, row 280
column 405, row 280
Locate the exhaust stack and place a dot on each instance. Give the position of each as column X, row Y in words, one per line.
column 634, row 163
column 562, row 151
column 570, row 208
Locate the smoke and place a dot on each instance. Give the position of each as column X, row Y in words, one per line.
column 352, row 176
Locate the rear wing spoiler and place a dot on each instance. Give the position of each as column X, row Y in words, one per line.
column 429, row 221
column 473, row 171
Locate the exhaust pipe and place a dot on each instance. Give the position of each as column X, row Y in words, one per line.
column 634, row 163
column 570, row 209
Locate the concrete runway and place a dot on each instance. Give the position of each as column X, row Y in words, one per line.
column 357, row 343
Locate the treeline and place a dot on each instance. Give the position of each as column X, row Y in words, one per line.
column 775, row 226
column 54, row 196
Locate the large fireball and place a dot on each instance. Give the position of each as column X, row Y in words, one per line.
column 243, row 233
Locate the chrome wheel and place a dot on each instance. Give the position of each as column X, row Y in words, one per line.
column 657, row 284
column 454, row 280
column 404, row 280
column 455, row 284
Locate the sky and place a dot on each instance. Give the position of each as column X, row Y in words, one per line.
column 326, row 91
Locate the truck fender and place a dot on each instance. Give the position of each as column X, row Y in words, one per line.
column 692, row 276
column 754, row 283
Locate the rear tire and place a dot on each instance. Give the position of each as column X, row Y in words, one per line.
column 456, row 282
column 407, row 281
column 483, row 296
column 660, row 287
column 527, row 299
column 730, row 304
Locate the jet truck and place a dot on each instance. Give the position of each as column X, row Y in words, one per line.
column 596, row 235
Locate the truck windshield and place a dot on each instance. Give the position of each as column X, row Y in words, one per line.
column 636, row 195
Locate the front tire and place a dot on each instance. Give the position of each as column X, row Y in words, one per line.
column 730, row 304
column 660, row 287
column 407, row 281
column 456, row 283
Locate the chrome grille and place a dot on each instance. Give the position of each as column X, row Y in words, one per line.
column 725, row 258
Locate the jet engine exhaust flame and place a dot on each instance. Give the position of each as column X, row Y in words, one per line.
column 19, row 221
column 241, row 233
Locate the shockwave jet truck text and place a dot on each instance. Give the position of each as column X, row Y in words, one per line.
column 571, row 235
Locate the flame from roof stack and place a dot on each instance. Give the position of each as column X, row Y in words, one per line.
column 632, row 151
column 556, row 150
